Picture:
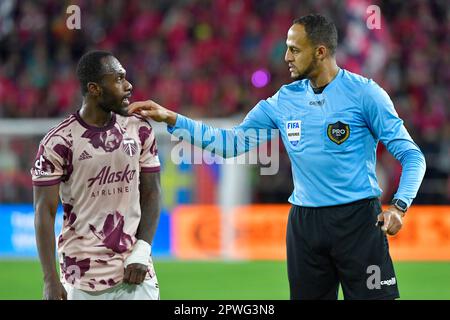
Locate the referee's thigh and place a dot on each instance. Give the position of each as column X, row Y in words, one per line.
column 310, row 270
column 361, row 252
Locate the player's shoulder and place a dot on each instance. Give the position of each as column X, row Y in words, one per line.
column 138, row 124
column 295, row 87
column 365, row 88
column 356, row 81
column 134, row 120
column 62, row 132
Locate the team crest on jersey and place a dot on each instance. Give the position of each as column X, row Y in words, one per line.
column 129, row 146
column 294, row 131
column 338, row 132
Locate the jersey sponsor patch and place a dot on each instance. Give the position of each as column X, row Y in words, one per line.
column 338, row 132
column 294, row 131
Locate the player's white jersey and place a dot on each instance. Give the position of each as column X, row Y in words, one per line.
column 98, row 172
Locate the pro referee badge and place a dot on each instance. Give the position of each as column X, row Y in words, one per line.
column 338, row 132
column 293, row 131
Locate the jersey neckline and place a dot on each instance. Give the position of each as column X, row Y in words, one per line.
column 328, row 85
column 111, row 123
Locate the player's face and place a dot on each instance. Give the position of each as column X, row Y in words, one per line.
column 116, row 90
column 300, row 54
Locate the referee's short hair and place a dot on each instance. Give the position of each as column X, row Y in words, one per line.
column 320, row 30
column 90, row 68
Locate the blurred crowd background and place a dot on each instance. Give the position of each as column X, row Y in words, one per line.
column 198, row 57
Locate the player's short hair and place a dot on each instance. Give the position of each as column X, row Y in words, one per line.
column 320, row 30
column 90, row 68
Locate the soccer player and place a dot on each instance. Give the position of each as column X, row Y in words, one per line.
column 103, row 165
column 330, row 121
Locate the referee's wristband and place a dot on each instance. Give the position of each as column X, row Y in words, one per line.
column 140, row 253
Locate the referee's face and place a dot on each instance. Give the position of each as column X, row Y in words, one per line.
column 300, row 53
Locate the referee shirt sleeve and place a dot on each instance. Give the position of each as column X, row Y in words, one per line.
column 386, row 126
column 255, row 129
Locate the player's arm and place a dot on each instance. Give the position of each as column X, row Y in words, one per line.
column 45, row 207
column 150, row 201
column 254, row 130
column 150, row 190
column 385, row 125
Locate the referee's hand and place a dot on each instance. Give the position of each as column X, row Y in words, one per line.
column 390, row 220
column 150, row 109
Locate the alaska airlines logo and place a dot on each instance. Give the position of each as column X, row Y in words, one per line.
column 105, row 176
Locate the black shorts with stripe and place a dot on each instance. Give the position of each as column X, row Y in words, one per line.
column 328, row 246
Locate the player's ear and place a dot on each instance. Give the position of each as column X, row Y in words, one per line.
column 321, row 52
column 94, row 89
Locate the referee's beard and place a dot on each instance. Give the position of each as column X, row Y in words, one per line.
column 309, row 70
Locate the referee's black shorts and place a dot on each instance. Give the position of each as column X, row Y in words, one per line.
column 339, row 244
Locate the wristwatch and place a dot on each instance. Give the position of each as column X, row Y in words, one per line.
column 400, row 205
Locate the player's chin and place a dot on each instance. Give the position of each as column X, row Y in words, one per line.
column 125, row 102
column 294, row 74
column 123, row 108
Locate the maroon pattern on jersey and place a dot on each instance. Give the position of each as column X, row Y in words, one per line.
column 74, row 270
column 153, row 149
column 69, row 217
column 66, row 153
column 112, row 234
column 107, row 140
column 144, row 133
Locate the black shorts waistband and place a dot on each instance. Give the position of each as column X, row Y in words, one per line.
column 362, row 201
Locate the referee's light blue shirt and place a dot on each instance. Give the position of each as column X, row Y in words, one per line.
column 331, row 139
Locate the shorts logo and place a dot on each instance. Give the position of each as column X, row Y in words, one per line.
column 129, row 146
column 294, row 131
column 338, row 132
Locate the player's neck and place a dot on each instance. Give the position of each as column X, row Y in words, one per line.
column 93, row 115
column 325, row 75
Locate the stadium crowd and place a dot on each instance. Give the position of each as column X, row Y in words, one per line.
column 198, row 57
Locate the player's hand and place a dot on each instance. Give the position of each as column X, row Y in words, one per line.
column 390, row 220
column 150, row 109
column 54, row 290
column 135, row 273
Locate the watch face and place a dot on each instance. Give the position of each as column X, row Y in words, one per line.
column 400, row 204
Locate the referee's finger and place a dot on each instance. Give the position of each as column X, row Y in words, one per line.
column 387, row 221
column 380, row 220
column 135, row 106
column 396, row 225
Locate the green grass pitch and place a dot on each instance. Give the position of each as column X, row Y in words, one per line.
column 259, row 280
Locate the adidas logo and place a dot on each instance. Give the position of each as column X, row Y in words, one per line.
column 84, row 156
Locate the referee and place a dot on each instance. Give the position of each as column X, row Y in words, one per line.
column 330, row 121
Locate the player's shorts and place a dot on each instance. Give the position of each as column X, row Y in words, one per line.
column 147, row 290
column 339, row 244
